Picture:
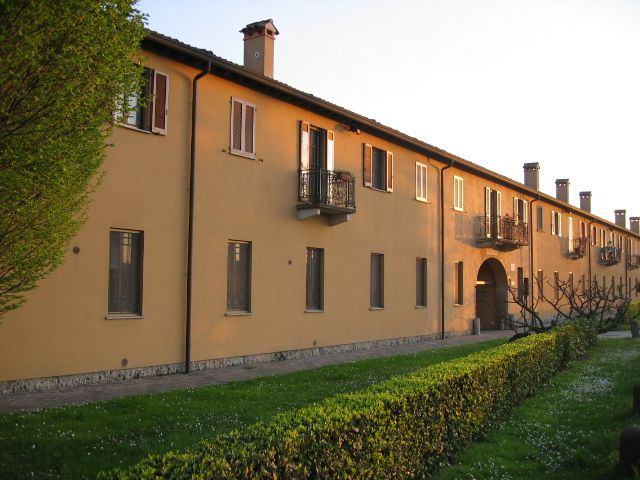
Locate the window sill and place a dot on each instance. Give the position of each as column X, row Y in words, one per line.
column 383, row 190
column 131, row 127
column 123, row 317
column 458, row 209
column 421, row 307
column 237, row 314
column 458, row 305
column 422, row 200
column 313, row 310
column 238, row 153
column 376, row 308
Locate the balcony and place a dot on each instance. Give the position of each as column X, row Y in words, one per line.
column 633, row 262
column 503, row 233
column 325, row 192
column 610, row 255
column 577, row 248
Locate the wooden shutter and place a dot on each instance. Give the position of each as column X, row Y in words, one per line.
column 559, row 224
column 367, row 155
column 389, row 172
column 304, row 146
column 553, row 222
column 160, row 103
column 525, row 211
column 330, row 156
column 249, row 129
column 236, row 126
column 487, row 211
column 516, row 210
column 498, row 213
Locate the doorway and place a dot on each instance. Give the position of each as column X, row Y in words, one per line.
column 491, row 294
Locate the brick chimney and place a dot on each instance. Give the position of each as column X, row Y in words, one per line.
column 259, row 40
column 621, row 218
column 562, row 189
column 532, row 175
column 585, row 201
column 634, row 224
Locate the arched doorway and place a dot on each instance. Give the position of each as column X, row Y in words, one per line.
column 491, row 294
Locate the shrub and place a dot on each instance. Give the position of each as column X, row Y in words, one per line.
column 402, row 428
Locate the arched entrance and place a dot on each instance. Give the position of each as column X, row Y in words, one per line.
column 491, row 294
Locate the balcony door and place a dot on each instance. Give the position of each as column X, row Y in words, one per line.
column 493, row 212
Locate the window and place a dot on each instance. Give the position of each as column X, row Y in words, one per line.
column 316, row 148
column 583, row 230
column 243, row 128
column 540, row 214
column 458, row 283
column 421, row 282
column 492, row 213
column 239, row 276
column 556, row 224
column 378, row 168
column 421, row 182
column 556, row 285
column 520, row 213
column 458, row 193
column 521, row 291
column 315, row 279
column 377, row 280
column 148, row 108
column 125, row 272
column 570, row 286
column 583, row 283
column 603, row 238
column 570, row 232
column 540, row 284
column 594, row 235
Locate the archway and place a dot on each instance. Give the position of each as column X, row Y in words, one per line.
column 491, row 294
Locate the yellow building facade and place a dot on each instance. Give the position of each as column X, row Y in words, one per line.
column 242, row 220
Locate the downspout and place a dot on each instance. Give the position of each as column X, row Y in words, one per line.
column 442, row 246
column 192, row 178
column 590, row 242
column 531, row 246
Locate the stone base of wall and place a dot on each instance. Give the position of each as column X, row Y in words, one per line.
column 107, row 376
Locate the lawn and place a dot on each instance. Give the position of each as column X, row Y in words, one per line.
column 568, row 430
column 79, row 441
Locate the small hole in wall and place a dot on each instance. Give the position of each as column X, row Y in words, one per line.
column 290, row 262
column 75, row 249
column 124, row 362
column 314, row 343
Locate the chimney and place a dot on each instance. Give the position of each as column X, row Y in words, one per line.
column 259, row 39
column 634, row 224
column 621, row 218
column 585, row 201
column 532, row 175
column 562, row 189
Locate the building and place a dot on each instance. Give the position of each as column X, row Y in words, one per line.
column 242, row 220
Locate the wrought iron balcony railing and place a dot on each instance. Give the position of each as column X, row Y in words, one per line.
column 610, row 255
column 331, row 192
column 633, row 261
column 502, row 231
column 578, row 247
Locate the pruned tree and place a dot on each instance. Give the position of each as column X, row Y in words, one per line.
column 607, row 307
column 63, row 65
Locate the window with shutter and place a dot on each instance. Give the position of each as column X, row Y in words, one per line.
column 238, row 276
column 458, row 193
column 243, row 128
column 160, row 103
column 125, row 273
column 421, row 182
column 377, row 168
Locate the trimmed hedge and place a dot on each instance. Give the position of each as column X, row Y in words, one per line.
column 402, row 428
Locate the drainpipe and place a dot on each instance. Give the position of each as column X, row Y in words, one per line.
column 442, row 245
column 589, row 243
column 192, row 178
column 531, row 246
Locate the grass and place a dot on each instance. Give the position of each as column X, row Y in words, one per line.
column 79, row 441
column 569, row 430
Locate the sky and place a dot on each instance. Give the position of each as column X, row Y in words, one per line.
column 497, row 82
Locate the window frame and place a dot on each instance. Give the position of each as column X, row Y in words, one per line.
column 556, row 223
column 139, row 276
column 233, row 296
column 244, row 106
column 458, row 193
column 421, row 278
column 368, row 164
column 147, row 105
column 540, row 218
column 458, row 283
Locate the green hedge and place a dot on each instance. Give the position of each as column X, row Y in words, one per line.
column 402, row 428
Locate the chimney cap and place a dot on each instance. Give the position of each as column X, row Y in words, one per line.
column 531, row 166
column 258, row 28
column 620, row 212
column 562, row 181
column 585, row 194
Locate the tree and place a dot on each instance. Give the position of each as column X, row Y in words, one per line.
column 606, row 307
column 63, row 65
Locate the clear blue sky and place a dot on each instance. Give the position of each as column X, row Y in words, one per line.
column 497, row 82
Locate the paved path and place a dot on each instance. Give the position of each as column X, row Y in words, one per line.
column 91, row 393
column 616, row 334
